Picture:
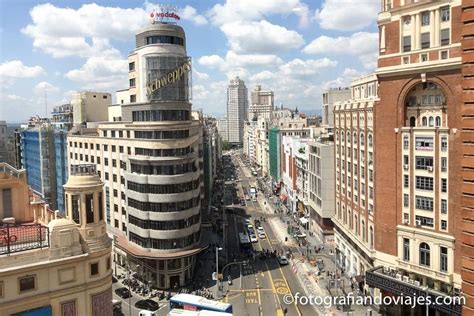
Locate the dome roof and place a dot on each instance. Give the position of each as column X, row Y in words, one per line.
column 60, row 223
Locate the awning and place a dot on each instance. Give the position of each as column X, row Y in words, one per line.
column 304, row 221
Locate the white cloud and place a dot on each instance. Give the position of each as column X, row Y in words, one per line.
column 200, row 75
column 105, row 72
column 43, row 86
column 349, row 15
column 233, row 61
column 14, row 97
column 189, row 13
column 344, row 79
column 16, row 69
column 299, row 68
column 263, row 76
column 251, row 10
column 260, row 37
column 362, row 44
column 212, row 61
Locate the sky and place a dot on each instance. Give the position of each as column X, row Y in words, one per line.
column 296, row 48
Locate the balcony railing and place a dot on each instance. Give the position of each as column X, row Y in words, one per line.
column 22, row 237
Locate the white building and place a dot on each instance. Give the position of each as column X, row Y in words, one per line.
column 237, row 106
column 330, row 97
column 90, row 106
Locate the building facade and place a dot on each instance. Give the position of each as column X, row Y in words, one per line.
column 330, row 97
column 261, row 103
column 88, row 106
column 321, row 188
column 150, row 157
column 419, row 150
column 355, row 180
column 56, row 266
column 237, row 107
column 3, row 142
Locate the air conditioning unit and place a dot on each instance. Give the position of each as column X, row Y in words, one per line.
column 418, row 222
column 406, row 221
column 405, row 166
column 405, row 279
column 417, row 283
column 430, row 169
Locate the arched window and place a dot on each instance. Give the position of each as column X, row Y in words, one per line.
column 351, row 220
column 424, row 254
column 362, row 139
column 371, row 237
column 354, row 138
column 348, row 137
column 371, row 140
column 337, row 136
column 342, row 136
column 431, row 121
column 363, row 230
column 438, row 121
column 412, row 121
column 424, row 121
column 357, row 225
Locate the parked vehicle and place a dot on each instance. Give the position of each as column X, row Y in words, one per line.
column 149, row 305
column 123, row 292
column 282, row 260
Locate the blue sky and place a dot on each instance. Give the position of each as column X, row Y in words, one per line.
column 295, row 47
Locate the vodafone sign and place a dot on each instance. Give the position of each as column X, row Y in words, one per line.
column 165, row 14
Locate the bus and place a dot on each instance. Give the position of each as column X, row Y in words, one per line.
column 182, row 312
column 192, row 302
column 244, row 243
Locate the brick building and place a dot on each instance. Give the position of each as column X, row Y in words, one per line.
column 418, row 154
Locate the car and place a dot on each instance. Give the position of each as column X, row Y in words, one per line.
column 253, row 238
column 249, row 226
column 242, row 202
column 261, row 235
column 257, row 223
column 247, row 198
column 149, row 305
column 123, row 292
column 260, row 229
column 282, row 260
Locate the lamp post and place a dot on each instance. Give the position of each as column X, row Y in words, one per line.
column 129, row 274
column 217, row 271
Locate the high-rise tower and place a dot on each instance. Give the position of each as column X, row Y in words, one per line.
column 149, row 156
column 237, row 104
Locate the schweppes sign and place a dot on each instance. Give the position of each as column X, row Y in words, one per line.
column 169, row 78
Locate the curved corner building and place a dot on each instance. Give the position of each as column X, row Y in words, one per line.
column 149, row 156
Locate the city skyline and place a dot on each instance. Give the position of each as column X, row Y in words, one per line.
column 70, row 58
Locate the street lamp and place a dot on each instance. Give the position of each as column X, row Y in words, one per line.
column 217, row 271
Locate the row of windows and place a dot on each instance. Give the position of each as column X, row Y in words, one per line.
column 174, row 243
column 163, row 188
column 162, row 134
column 425, row 40
column 425, row 255
column 163, row 39
column 164, row 225
column 160, row 115
column 370, row 139
column 163, row 170
column 164, row 207
column 425, row 203
column 170, row 152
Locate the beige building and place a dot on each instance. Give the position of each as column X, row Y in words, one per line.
column 330, row 97
column 261, row 103
column 52, row 265
column 150, row 157
column 354, row 151
column 90, row 106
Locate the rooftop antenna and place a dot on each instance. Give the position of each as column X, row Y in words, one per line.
column 45, row 101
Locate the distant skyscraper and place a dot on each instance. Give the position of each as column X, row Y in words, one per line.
column 261, row 103
column 3, row 141
column 237, row 104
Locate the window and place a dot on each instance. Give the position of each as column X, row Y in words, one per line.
column 424, row 183
column 444, row 54
column 424, row 120
column 444, row 225
column 444, row 206
column 424, row 221
column 405, row 142
column 131, row 66
column 27, row 283
column 89, row 208
column 407, row 44
column 424, row 143
column 406, row 22
column 132, row 82
column 425, row 40
column 106, row 176
column 406, row 249
column 424, row 57
column 405, row 159
column 424, row 162
column 425, row 18
column 445, row 14
column 107, row 263
column 133, row 98
column 406, row 181
column 406, row 200
column 444, row 185
column 424, row 203
column 443, row 259
column 438, row 121
column 444, row 143
column 424, row 254
column 406, row 59
column 444, row 38
column 444, row 164
column 94, row 268
column 75, row 208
